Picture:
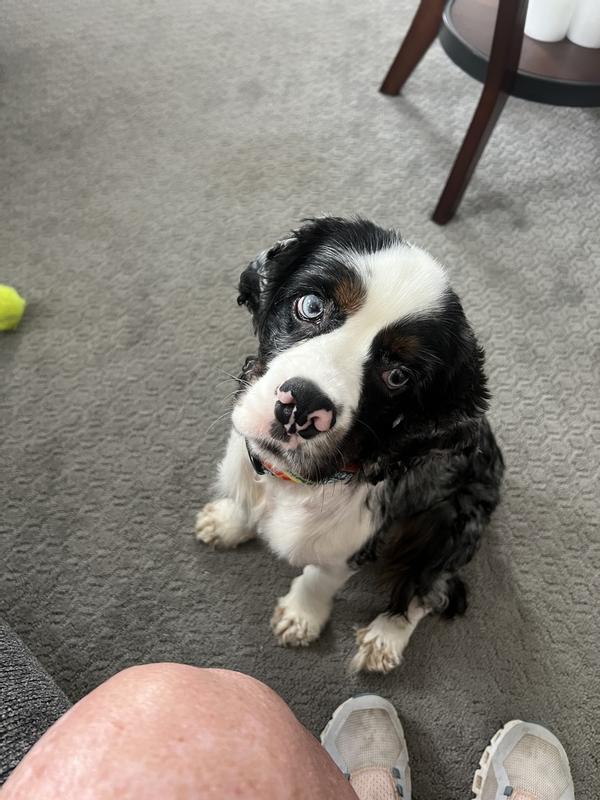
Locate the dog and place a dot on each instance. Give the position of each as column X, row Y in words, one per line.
column 358, row 432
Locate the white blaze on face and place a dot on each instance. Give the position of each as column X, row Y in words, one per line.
column 401, row 281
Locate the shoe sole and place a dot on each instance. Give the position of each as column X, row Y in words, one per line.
column 487, row 755
column 503, row 739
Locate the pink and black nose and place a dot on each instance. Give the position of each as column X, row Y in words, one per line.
column 302, row 408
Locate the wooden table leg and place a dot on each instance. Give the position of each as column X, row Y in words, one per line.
column 502, row 68
column 481, row 127
column 421, row 34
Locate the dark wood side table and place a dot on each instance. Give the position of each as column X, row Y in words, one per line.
column 485, row 38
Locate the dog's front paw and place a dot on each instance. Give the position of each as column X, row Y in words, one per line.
column 380, row 645
column 222, row 524
column 294, row 626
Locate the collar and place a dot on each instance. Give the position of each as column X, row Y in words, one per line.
column 265, row 468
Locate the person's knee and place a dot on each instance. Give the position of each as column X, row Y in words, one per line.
column 177, row 686
column 161, row 678
column 171, row 725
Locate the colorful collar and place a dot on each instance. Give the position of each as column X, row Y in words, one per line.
column 264, row 467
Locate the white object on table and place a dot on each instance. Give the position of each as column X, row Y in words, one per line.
column 548, row 20
column 584, row 29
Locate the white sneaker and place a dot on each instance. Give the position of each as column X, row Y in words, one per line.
column 365, row 739
column 523, row 762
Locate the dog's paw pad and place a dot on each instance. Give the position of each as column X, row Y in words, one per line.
column 221, row 524
column 374, row 653
column 293, row 627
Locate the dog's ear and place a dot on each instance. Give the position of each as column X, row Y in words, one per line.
column 458, row 399
column 445, row 405
column 261, row 275
column 461, row 397
column 249, row 287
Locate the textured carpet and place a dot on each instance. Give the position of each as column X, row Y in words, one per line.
column 148, row 151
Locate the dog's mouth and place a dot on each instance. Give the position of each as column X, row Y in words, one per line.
column 306, row 461
column 283, row 439
column 293, row 434
column 267, row 446
column 287, row 448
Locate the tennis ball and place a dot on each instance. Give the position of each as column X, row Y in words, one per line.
column 12, row 307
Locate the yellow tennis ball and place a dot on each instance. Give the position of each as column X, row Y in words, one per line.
column 12, row 307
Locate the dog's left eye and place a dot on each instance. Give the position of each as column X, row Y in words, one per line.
column 394, row 379
column 309, row 308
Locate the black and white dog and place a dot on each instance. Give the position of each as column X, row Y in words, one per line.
column 358, row 431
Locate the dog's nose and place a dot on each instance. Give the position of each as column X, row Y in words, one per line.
column 303, row 408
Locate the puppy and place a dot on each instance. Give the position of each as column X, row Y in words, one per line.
column 359, row 432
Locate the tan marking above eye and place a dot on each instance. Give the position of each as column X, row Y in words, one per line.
column 349, row 294
column 401, row 345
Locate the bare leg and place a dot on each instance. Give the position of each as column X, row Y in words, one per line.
column 175, row 732
column 300, row 616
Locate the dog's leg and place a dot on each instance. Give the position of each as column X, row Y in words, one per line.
column 231, row 520
column 381, row 644
column 300, row 616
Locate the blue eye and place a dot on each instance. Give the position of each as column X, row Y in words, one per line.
column 309, row 308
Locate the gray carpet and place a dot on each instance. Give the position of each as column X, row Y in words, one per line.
column 148, row 151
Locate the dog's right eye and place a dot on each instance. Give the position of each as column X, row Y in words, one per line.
column 309, row 308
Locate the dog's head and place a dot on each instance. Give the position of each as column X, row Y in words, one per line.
column 364, row 351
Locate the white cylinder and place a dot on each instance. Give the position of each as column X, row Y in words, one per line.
column 548, row 20
column 584, row 29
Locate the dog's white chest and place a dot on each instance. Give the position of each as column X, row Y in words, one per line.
column 315, row 525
